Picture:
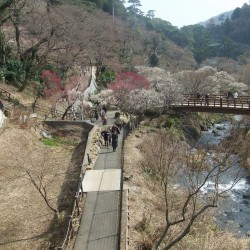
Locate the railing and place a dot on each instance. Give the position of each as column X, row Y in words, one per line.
column 127, row 221
column 5, row 94
column 242, row 102
column 75, row 213
column 79, row 194
column 131, row 125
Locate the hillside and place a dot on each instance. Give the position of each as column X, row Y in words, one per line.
column 217, row 20
column 61, row 35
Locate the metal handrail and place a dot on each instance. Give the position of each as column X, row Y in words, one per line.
column 127, row 129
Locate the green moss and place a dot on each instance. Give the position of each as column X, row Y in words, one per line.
column 173, row 121
column 58, row 142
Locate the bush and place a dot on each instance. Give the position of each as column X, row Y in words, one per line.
column 15, row 101
column 172, row 122
column 14, row 72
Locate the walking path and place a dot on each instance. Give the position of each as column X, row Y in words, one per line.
column 99, row 227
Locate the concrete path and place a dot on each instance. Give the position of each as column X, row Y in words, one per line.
column 100, row 220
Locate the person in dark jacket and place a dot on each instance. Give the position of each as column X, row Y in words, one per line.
column 114, row 141
column 106, row 135
column 1, row 105
column 206, row 100
column 115, row 132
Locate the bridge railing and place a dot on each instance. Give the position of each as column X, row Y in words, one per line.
column 217, row 101
column 5, row 95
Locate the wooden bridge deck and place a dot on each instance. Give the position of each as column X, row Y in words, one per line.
column 214, row 104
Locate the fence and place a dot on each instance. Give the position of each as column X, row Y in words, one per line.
column 127, row 220
column 79, row 193
column 131, row 125
column 5, row 94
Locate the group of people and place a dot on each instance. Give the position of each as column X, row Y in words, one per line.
column 206, row 97
column 100, row 111
column 110, row 136
column 109, row 133
column 232, row 95
column 198, row 96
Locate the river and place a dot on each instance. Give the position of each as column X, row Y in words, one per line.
column 234, row 210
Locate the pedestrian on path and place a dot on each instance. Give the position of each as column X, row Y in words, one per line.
column 1, row 105
column 105, row 109
column 96, row 114
column 115, row 131
column 103, row 114
column 106, row 134
column 118, row 122
column 114, row 141
column 104, row 121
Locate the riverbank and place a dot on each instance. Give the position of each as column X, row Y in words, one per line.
column 146, row 211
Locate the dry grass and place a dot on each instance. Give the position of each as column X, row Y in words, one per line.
column 26, row 220
column 147, row 212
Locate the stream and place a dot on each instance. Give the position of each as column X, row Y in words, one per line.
column 234, row 210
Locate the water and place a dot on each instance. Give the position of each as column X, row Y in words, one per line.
column 234, row 210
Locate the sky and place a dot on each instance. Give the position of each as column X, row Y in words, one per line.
column 187, row 12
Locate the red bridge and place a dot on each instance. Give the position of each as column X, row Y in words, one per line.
column 214, row 104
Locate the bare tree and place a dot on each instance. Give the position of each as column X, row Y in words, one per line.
column 171, row 164
column 65, row 35
column 196, row 81
column 42, row 171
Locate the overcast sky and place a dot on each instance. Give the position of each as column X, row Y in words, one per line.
column 187, row 12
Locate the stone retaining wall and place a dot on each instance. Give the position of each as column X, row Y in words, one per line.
column 94, row 141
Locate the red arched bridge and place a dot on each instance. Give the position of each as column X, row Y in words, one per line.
column 214, row 104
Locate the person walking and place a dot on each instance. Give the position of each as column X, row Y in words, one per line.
column 106, row 134
column 118, row 122
column 206, row 100
column 104, row 121
column 114, row 141
column 102, row 114
column 198, row 98
column 115, row 131
column 96, row 114
column 235, row 95
column 229, row 94
column 1, row 105
column 105, row 109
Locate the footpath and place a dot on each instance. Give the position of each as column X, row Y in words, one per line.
column 99, row 226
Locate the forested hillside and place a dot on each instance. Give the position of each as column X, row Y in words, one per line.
column 39, row 35
column 59, row 34
column 229, row 39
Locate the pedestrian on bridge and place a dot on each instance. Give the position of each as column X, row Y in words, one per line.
column 229, row 94
column 206, row 99
column 235, row 95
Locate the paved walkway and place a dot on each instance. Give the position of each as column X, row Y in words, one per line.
column 100, row 220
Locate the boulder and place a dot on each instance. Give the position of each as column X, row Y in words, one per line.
column 246, row 195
